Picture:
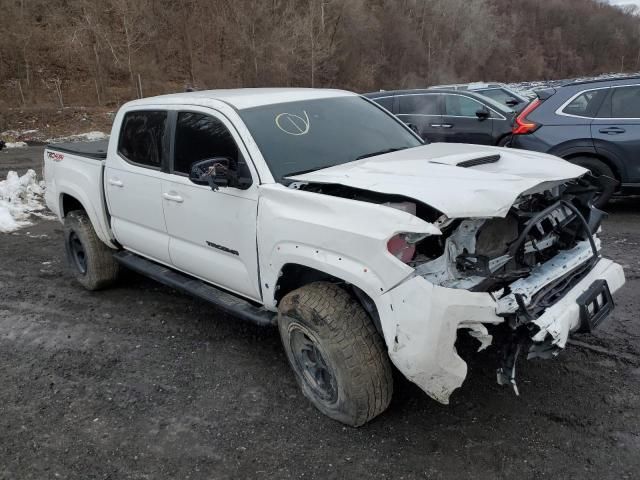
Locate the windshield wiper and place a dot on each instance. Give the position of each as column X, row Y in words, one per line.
column 381, row 152
column 366, row 155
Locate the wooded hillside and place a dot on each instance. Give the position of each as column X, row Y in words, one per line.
column 93, row 52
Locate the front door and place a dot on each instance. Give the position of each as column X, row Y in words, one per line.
column 460, row 124
column 212, row 234
column 133, row 184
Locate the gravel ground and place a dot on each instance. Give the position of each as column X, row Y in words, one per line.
column 142, row 382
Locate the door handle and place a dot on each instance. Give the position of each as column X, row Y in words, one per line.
column 435, row 125
column 173, row 197
column 115, row 183
column 612, row 130
column 447, row 125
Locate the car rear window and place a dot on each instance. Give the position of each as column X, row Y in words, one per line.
column 422, row 104
column 142, row 137
column 586, row 104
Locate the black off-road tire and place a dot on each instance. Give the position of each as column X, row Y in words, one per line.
column 335, row 330
column 90, row 260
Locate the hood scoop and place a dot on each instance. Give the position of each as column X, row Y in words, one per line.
column 478, row 161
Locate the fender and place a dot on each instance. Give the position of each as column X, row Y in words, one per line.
column 588, row 147
column 348, row 269
column 573, row 147
column 97, row 219
column 342, row 237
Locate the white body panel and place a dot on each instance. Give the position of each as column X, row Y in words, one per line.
column 212, row 235
column 429, row 174
column 134, row 196
column 80, row 178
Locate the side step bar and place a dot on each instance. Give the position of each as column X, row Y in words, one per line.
column 197, row 288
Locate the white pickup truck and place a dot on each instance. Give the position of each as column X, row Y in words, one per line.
column 319, row 211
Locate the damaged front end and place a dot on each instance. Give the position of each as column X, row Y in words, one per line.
column 532, row 277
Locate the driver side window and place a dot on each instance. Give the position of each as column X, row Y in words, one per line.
column 201, row 137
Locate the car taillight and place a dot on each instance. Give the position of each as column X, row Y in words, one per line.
column 522, row 125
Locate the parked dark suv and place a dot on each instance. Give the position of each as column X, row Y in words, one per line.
column 595, row 124
column 457, row 116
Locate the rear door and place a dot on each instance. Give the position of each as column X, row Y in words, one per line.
column 212, row 234
column 133, row 183
column 616, row 130
column 424, row 111
column 460, row 124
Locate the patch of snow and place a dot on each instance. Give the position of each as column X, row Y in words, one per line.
column 527, row 88
column 15, row 145
column 20, row 197
column 81, row 137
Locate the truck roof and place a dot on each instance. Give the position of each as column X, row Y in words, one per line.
column 241, row 98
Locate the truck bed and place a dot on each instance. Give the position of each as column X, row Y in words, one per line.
column 76, row 170
column 96, row 150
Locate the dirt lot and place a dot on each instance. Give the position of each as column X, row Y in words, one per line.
column 142, row 382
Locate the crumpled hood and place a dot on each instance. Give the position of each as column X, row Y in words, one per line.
column 429, row 175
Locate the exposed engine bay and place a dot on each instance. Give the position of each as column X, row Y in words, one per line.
column 526, row 260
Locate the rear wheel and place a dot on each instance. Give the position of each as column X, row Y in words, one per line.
column 90, row 260
column 505, row 141
column 598, row 168
column 337, row 355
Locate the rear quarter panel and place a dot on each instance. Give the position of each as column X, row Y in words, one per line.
column 82, row 179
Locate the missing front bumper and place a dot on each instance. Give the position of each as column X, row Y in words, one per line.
column 420, row 322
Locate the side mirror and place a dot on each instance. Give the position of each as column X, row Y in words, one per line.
column 482, row 114
column 221, row 172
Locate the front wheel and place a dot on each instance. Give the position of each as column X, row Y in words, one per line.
column 337, row 355
column 90, row 260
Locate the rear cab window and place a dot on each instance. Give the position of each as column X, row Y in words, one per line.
column 142, row 138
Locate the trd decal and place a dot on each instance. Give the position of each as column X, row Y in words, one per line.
column 56, row 157
column 224, row 249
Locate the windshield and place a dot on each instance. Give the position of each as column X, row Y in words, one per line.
column 300, row 137
column 493, row 103
column 500, row 96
